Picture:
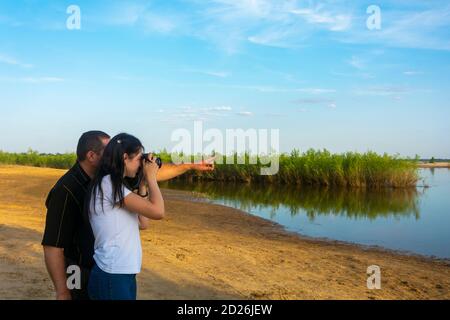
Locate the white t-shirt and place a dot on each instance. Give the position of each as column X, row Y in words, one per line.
column 117, row 246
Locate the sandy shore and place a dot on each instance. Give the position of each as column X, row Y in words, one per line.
column 206, row 251
column 435, row 165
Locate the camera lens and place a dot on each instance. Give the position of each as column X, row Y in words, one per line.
column 157, row 160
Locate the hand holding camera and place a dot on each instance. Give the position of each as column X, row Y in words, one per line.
column 151, row 165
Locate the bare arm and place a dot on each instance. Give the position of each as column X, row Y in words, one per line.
column 169, row 170
column 58, row 234
column 143, row 221
column 151, row 207
column 56, row 267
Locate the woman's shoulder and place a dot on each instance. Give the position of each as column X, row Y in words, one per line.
column 107, row 187
column 104, row 187
column 106, row 180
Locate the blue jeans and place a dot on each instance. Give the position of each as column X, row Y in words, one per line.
column 109, row 286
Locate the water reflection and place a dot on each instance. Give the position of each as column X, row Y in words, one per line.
column 411, row 219
column 354, row 203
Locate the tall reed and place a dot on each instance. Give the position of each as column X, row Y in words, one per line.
column 312, row 167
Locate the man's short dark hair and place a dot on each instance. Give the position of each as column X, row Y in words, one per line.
column 90, row 141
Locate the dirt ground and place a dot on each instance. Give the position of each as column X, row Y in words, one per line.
column 206, row 251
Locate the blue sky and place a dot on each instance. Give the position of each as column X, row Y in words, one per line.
column 310, row 68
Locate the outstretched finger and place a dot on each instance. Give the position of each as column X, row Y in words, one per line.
column 210, row 160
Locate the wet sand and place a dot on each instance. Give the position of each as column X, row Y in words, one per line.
column 207, row 251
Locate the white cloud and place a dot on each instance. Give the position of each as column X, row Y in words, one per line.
column 220, row 74
column 142, row 16
column 362, row 75
column 229, row 9
column 271, row 39
column 384, row 91
column 32, row 80
column 274, row 89
column 12, row 61
column 230, row 24
column 213, row 73
column 275, row 114
column 221, row 108
column 421, row 28
column 327, row 19
column 189, row 113
column 314, row 101
column 160, row 24
column 127, row 14
column 412, row 73
column 316, row 90
column 41, row 79
column 244, row 113
column 357, row 63
column 126, row 78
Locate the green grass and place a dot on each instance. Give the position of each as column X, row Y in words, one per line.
column 321, row 168
column 35, row 159
column 313, row 167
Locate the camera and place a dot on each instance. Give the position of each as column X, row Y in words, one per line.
column 133, row 183
column 157, row 160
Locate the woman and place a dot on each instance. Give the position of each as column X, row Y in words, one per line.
column 116, row 214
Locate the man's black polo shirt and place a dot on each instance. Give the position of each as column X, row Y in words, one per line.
column 67, row 225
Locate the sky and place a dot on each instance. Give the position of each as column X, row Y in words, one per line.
column 312, row 69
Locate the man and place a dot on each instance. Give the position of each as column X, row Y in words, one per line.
column 68, row 238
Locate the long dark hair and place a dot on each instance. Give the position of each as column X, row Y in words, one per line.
column 112, row 163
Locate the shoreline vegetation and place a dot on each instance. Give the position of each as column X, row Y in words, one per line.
column 313, row 167
column 319, row 168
